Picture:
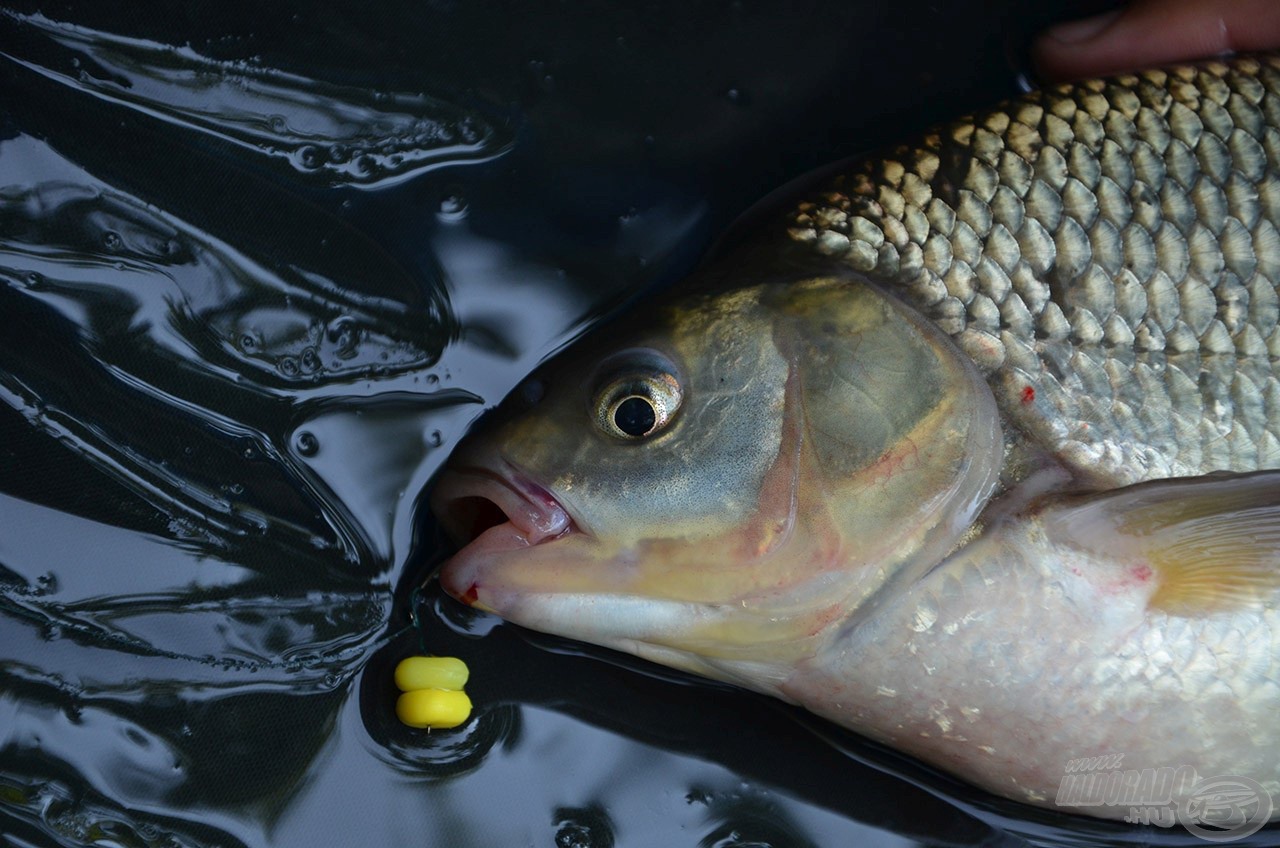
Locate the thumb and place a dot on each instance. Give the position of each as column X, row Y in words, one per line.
column 1154, row 32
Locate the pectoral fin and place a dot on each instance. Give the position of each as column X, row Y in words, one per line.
column 1211, row 544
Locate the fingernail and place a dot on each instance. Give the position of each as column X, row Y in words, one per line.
column 1077, row 32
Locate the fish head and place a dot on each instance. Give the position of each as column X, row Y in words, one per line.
column 720, row 483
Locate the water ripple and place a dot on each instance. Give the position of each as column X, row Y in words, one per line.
column 111, row 262
column 339, row 134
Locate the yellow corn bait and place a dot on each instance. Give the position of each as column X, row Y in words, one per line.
column 433, row 695
column 431, row 673
column 433, row 708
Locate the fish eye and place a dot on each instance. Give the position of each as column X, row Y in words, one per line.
column 637, row 403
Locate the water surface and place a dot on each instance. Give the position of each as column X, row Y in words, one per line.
column 261, row 267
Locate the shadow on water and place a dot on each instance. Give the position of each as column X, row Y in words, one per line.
column 261, row 267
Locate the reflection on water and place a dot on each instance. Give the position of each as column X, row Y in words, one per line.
column 345, row 135
column 253, row 289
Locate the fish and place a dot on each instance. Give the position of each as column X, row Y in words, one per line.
column 971, row 449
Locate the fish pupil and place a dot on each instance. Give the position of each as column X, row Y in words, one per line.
column 635, row 416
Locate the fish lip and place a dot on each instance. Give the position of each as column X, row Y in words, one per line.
column 533, row 512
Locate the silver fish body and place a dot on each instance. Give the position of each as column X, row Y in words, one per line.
column 1056, row 650
column 974, row 454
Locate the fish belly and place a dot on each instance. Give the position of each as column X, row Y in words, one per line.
column 1008, row 668
column 1107, row 252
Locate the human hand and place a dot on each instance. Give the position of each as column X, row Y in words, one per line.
column 1153, row 32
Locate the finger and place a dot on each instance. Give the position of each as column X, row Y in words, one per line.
column 1154, row 32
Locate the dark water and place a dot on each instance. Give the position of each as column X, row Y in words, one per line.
column 261, row 266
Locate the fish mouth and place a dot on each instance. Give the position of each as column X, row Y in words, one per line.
column 487, row 512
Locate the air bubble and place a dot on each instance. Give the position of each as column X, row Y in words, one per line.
column 453, row 206
column 310, row 361
column 573, row 835
column 583, row 827
column 433, row 380
column 310, row 157
column 288, row 366
column 435, row 439
column 111, row 241
column 344, row 334
column 248, row 343
column 306, row 444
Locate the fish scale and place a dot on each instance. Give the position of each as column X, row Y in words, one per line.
column 1107, row 252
